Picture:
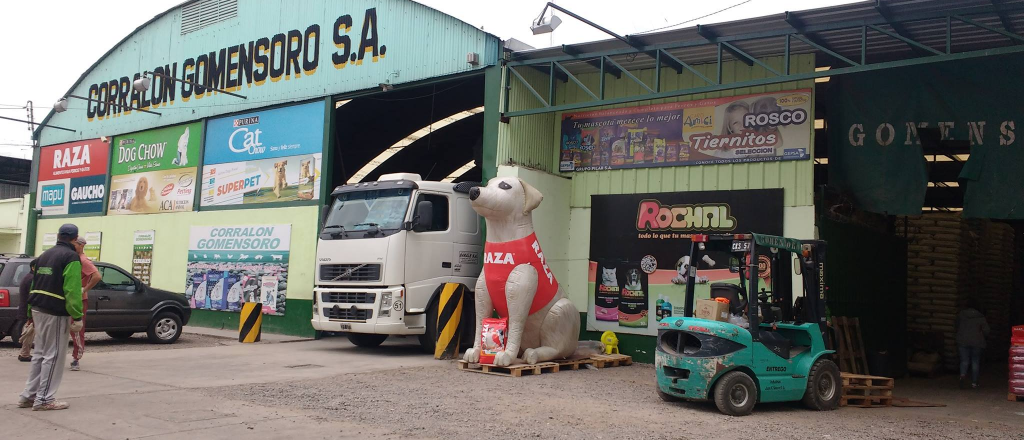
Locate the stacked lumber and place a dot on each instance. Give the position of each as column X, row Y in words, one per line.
column 937, row 282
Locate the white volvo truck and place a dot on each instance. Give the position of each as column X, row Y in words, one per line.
column 386, row 249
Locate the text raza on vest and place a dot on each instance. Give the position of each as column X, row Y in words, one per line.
column 499, row 261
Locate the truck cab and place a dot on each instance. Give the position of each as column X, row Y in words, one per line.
column 385, row 250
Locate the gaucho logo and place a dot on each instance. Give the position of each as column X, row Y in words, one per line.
column 653, row 216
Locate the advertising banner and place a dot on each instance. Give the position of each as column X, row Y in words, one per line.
column 93, row 243
column 640, row 242
column 229, row 265
column 267, row 156
column 155, row 171
column 73, row 177
column 142, row 254
column 49, row 240
column 734, row 129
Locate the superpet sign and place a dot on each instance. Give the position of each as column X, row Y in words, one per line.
column 653, row 216
column 289, row 55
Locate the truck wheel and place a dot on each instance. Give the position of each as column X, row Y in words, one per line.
column 165, row 328
column 366, row 340
column 735, row 394
column 428, row 340
column 823, row 386
column 120, row 335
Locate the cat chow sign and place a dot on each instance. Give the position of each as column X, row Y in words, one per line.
column 73, row 177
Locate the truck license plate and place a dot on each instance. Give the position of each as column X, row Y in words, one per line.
column 346, row 327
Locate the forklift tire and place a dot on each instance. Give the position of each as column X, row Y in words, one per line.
column 735, row 394
column 823, row 386
column 667, row 397
column 366, row 340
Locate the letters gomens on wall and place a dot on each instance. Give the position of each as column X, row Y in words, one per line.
column 72, row 177
column 285, row 55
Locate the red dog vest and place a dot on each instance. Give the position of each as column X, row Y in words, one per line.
column 501, row 258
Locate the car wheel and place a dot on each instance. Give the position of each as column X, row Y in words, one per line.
column 16, row 333
column 735, row 394
column 428, row 340
column 165, row 328
column 120, row 335
column 823, row 386
column 366, row 340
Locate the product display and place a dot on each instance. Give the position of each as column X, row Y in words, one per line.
column 493, row 334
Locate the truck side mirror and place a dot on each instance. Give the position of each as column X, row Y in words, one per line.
column 424, row 216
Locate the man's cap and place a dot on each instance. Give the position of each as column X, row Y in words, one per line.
column 81, row 240
column 68, row 230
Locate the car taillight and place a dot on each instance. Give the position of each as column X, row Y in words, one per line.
column 5, row 298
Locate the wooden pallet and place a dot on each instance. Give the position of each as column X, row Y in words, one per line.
column 1014, row 397
column 866, row 391
column 516, row 370
column 850, row 345
column 611, row 360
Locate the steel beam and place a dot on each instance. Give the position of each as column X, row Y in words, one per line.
column 818, row 46
column 1015, row 38
column 736, row 50
column 712, row 37
column 810, row 39
column 1004, row 19
column 779, row 79
column 897, row 27
column 688, row 67
column 575, row 80
column 630, row 75
column 910, row 42
column 528, row 87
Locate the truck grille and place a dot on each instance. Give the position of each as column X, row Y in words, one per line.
column 360, row 272
column 348, row 297
column 348, row 314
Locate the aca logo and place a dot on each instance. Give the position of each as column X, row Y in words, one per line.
column 52, row 195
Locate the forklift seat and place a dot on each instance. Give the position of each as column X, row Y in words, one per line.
column 775, row 342
column 732, row 293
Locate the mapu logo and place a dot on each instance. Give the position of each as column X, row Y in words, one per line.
column 52, row 195
column 249, row 141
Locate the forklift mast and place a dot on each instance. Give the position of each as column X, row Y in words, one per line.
column 813, row 272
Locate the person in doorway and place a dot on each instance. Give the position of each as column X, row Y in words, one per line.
column 971, row 330
column 27, row 331
column 90, row 277
column 56, row 295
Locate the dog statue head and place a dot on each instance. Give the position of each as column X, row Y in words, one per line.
column 504, row 198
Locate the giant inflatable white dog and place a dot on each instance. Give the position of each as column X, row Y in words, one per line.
column 516, row 281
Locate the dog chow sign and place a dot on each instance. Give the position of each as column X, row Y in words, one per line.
column 230, row 265
column 267, row 156
column 155, row 171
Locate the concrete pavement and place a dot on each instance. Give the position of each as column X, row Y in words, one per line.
column 155, row 393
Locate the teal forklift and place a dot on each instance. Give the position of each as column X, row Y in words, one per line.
column 772, row 348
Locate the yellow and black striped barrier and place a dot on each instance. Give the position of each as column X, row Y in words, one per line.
column 449, row 332
column 250, row 322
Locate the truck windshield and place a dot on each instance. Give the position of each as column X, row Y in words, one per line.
column 366, row 214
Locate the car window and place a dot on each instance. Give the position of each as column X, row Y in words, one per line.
column 11, row 272
column 114, row 279
column 440, row 220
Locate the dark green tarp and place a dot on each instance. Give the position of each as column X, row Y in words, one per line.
column 875, row 151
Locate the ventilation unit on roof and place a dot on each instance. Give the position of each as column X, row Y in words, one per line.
column 203, row 13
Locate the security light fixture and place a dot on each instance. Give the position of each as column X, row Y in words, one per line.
column 142, row 84
column 545, row 25
column 61, row 105
column 385, row 87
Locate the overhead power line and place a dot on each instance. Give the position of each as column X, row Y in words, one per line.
column 695, row 19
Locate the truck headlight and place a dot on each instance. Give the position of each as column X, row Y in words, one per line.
column 385, row 301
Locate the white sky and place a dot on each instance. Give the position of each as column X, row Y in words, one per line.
column 50, row 43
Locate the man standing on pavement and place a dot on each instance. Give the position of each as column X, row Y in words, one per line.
column 90, row 277
column 56, row 294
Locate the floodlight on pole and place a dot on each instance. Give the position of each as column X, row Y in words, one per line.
column 142, row 84
column 544, row 25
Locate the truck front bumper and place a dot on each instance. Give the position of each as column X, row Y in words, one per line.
column 364, row 310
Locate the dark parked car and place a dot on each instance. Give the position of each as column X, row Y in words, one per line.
column 120, row 305
column 12, row 268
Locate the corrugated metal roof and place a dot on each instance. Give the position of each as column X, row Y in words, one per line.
column 765, row 36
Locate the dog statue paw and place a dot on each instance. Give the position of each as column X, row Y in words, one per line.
column 504, row 359
column 472, row 355
column 530, row 356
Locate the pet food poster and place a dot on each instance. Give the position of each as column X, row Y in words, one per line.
column 750, row 128
column 73, row 177
column 93, row 244
column 640, row 247
column 230, row 265
column 267, row 156
column 155, row 171
column 142, row 255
